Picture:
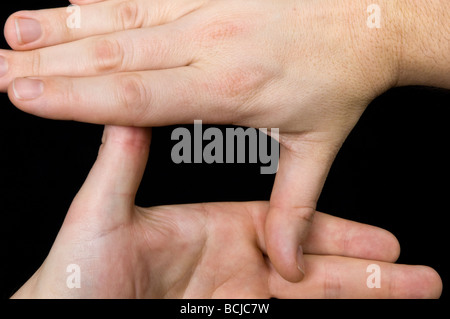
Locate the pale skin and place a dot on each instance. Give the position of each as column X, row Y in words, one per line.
column 204, row 250
column 309, row 68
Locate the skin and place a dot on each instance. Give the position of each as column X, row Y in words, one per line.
column 204, row 250
column 309, row 68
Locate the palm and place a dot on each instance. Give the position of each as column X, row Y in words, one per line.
column 217, row 248
column 198, row 251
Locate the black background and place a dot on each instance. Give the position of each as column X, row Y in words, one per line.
column 392, row 172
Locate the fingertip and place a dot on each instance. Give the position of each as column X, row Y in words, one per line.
column 429, row 281
column 32, row 28
column 286, row 264
column 371, row 242
column 381, row 244
column 301, row 260
column 127, row 148
column 434, row 282
column 120, row 162
column 12, row 95
column 284, row 250
column 38, row 97
column 417, row 282
column 391, row 246
column 41, row 96
column 27, row 88
column 363, row 241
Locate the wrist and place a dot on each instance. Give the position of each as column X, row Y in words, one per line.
column 375, row 29
column 424, row 58
column 410, row 46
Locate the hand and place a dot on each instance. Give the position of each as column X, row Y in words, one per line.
column 307, row 68
column 203, row 250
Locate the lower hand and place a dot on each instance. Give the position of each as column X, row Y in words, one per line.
column 203, row 250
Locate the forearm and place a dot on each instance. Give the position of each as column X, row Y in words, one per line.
column 410, row 45
column 424, row 58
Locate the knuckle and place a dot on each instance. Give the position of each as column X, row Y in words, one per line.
column 332, row 285
column 129, row 15
column 132, row 95
column 238, row 88
column 59, row 30
column 108, row 55
column 66, row 95
column 35, row 62
column 346, row 240
column 65, row 28
column 393, row 284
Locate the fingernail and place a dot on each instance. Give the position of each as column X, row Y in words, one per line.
column 3, row 66
column 300, row 260
column 27, row 89
column 28, row 30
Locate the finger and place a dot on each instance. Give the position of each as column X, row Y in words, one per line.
column 107, row 196
column 152, row 98
column 298, row 183
column 25, row 30
column 341, row 277
column 330, row 235
column 134, row 50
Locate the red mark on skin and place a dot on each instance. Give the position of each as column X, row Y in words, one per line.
column 224, row 30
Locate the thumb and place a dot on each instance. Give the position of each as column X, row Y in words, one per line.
column 297, row 187
column 108, row 194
